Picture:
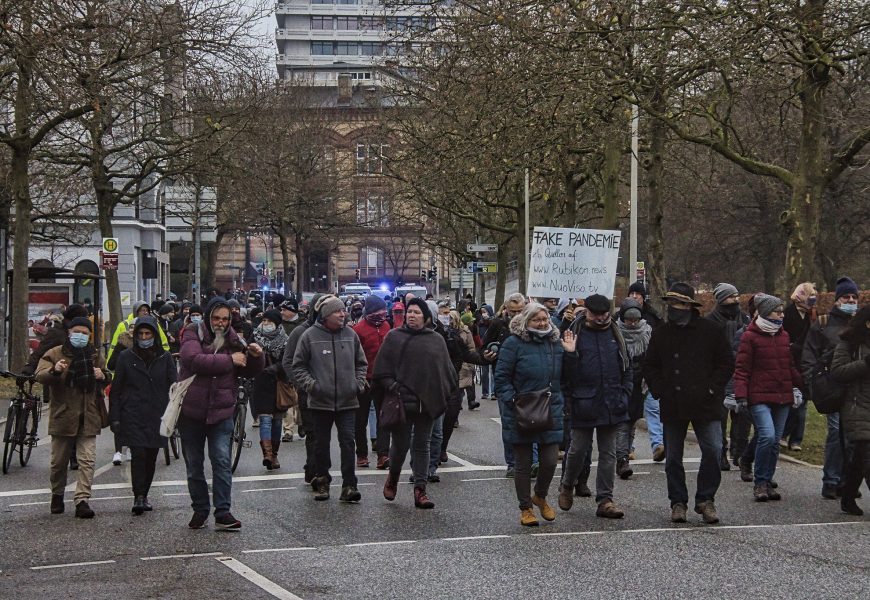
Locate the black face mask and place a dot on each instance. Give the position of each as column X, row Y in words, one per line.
column 679, row 317
column 730, row 310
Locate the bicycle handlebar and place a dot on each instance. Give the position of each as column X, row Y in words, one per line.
column 8, row 374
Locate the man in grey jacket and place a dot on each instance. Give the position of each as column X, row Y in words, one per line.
column 330, row 366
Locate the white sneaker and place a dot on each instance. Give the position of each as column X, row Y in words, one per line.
column 117, row 459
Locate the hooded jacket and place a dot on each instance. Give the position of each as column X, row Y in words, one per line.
column 125, row 329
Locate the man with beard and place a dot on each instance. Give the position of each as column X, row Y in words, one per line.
column 213, row 353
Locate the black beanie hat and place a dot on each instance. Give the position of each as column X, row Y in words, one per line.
column 273, row 315
column 427, row 314
column 81, row 322
column 597, row 304
column 74, row 310
column 639, row 287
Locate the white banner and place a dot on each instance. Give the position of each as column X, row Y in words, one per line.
column 573, row 263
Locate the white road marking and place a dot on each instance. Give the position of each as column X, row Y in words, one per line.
column 380, row 543
column 72, row 501
column 483, row 479
column 261, row 582
column 264, row 489
column 177, row 493
column 711, row 528
column 474, row 537
column 261, row 550
column 338, row 485
column 170, row 556
column 456, row 459
column 72, row 486
column 496, row 419
column 78, row 564
column 293, row 476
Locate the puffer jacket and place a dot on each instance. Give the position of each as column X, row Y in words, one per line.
column 331, row 367
column 527, row 364
column 597, row 378
column 854, row 370
column 211, row 397
column 765, row 372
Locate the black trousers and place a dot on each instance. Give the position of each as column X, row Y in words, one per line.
column 142, row 468
column 306, row 423
column 451, row 417
column 856, row 467
column 382, row 443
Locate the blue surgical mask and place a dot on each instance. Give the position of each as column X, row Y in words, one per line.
column 196, row 319
column 79, row 340
column 144, row 344
column 849, row 309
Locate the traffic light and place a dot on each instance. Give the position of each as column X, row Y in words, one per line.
column 357, row 274
column 423, row 274
column 430, row 275
column 261, row 268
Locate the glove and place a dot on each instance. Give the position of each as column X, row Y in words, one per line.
column 742, row 406
column 115, row 426
column 798, row 397
column 730, row 402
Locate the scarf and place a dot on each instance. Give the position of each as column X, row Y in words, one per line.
column 273, row 343
column 80, row 373
column 766, row 326
column 636, row 340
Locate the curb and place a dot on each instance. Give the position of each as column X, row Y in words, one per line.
column 690, row 435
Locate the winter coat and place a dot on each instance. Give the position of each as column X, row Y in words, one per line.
column 596, row 378
column 126, row 327
column 635, row 365
column 211, row 397
column 854, row 370
column 765, row 372
column 466, row 369
column 371, row 338
column 797, row 327
column 289, row 326
column 498, row 331
column 687, row 368
column 822, row 339
column 331, row 367
column 68, row 404
column 416, row 361
column 139, row 395
column 525, row 364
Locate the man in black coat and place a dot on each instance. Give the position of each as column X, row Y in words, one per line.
column 687, row 365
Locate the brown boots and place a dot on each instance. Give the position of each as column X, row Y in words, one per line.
column 270, row 453
column 275, row 445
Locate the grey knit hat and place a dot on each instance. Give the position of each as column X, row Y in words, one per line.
column 329, row 305
column 723, row 291
column 765, row 304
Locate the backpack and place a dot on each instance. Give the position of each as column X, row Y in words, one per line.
column 827, row 394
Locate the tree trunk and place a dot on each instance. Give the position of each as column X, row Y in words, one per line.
column 19, row 295
column 300, row 262
column 284, row 243
column 610, row 182
column 501, row 274
column 655, row 256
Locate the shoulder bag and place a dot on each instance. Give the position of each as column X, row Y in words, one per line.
column 392, row 412
column 532, row 409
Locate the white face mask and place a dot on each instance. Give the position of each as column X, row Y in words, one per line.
column 445, row 320
column 268, row 327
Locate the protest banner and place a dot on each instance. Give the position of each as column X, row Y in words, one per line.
column 572, row 263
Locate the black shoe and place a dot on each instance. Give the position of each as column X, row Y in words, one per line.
column 829, row 491
column 745, row 470
column 73, row 464
column 433, row 478
column 473, row 405
column 138, row 505
column 309, row 476
column 197, row 521
column 83, row 511
column 56, row 504
column 582, row 490
column 146, row 504
column 321, row 488
column 772, row 494
column 840, row 493
column 623, row 469
column 227, row 522
column 851, row 507
column 724, row 465
column 350, row 493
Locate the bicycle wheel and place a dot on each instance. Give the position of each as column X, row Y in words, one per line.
column 238, row 439
column 9, row 438
column 24, row 448
column 175, row 444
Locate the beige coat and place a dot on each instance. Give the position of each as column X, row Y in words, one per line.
column 67, row 403
column 466, row 373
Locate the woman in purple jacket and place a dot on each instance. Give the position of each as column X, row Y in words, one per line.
column 214, row 353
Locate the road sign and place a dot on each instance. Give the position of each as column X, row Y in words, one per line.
column 482, row 247
column 640, row 266
column 108, row 261
column 483, row 267
column 110, row 245
column 460, row 278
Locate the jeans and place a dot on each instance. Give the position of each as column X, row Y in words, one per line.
column 624, row 439
column 856, row 468
column 709, row 434
column 795, row 425
column 769, row 421
column 451, row 418
column 345, row 424
column 579, row 453
column 549, row 455
column 484, row 380
column 194, row 435
column 421, row 427
column 435, row 444
column 832, row 472
column 142, row 468
column 62, row 447
column 652, row 414
column 271, row 427
column 363, row 419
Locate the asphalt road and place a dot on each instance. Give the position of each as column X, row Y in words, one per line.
column 470, row 546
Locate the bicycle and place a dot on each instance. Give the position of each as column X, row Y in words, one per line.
column 240, row 415
column 24, row 408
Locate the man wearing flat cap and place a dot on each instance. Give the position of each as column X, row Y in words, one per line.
column 687, row 366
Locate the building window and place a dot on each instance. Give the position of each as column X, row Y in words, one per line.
column 370, row 158
column 371, row 48
column 346, row 48
column 322, row 2
column 345, row 23
column 322, row 48
column 321, row 23
column 371, row 23
column 347, row 1
column 371, row 261
column 372, row 211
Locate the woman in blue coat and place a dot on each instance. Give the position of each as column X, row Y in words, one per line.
column 137, row 401
column 531, row 360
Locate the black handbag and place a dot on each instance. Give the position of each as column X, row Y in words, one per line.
column 392, row 413
column 533, row 411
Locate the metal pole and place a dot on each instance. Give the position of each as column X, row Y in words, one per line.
column 4, row 291
column 635, row 148
column 527, row 249
column 196, row 249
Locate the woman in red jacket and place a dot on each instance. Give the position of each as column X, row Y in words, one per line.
column 766, row 383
